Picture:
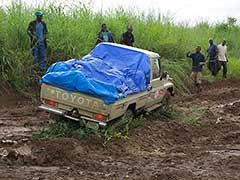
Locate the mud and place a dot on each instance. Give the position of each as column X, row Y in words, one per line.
column 161, row 150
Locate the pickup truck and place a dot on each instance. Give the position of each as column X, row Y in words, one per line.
column 83, row 107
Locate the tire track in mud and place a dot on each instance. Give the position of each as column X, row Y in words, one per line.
column 167, row 150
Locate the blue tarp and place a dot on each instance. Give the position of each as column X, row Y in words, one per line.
column 109, row 72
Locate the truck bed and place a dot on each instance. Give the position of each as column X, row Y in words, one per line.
column 59, row 101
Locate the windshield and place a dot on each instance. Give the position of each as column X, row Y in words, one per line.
column 155, row 68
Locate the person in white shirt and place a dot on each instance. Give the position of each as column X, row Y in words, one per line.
column 222, row 57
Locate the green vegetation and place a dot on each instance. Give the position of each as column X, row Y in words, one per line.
column 78, row 130
column 164, row 113
column 120, row 130
column 64, row 129
column 73, row 35
column 192, row 114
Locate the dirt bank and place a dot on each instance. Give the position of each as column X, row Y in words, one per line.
column 161, row 150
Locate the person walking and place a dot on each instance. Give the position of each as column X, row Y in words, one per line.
column 104, row 35
column 222, row 57
column 212, row 58
column 37, row 31
column 128, row 37
column 198, row 60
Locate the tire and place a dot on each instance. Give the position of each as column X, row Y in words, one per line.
column 128, row 114
column 166, row 101
column 121, row 121
column 126, row 118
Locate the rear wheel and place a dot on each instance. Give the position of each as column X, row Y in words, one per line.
column 128, row 114
column 121, row 121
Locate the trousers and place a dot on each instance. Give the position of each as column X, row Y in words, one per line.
column 40, row 56
column 213, row 66
column 224, row 65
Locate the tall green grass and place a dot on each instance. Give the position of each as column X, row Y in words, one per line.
column 73, row 35
column 233, row 71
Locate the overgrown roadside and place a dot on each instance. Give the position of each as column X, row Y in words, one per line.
column 185, row 147
column 67, row 38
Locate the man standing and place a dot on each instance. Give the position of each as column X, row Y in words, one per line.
column 127, row 37
column 37, row 30
column 222, row 57
column 104, row 35
column 198, row 60
column 212, row 58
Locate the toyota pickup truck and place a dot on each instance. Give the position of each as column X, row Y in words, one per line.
column 80, row 106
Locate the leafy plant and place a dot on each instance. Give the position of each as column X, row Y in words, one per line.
column 64, row 129
column 121, row 130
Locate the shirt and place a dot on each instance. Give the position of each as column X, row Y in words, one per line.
column 39, row 32
column 212, row 52
column 197, row 58
column 31, row 30
column 105, row 36
column 128, row 39
column 222, row 51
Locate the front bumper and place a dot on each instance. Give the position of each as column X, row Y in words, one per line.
column 64, row 114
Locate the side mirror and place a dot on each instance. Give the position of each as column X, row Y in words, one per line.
column 164, row 75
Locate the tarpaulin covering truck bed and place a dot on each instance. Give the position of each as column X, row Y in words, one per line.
column 109, row 72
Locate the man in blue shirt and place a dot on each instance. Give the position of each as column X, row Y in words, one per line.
column 212, row 58
column 37, row 31
column 104, row 35
column 198, row 60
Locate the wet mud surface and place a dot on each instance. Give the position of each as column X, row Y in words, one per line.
column 161, row 150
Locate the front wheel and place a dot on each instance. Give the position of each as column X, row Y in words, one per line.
column 166, row 101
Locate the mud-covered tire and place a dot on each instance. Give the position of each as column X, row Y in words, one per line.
column 128, row 114
column 166, row 101
column 121, row 121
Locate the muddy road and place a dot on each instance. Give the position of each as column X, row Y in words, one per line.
column 161, row 150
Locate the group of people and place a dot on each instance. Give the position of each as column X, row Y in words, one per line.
column 217, row 55
column 216, row 58
column 104, row 35
column 37, row 31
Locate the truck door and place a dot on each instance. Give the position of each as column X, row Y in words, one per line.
column 156, row 91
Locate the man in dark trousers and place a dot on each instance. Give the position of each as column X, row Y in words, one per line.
column 128, row 37
column 222, row 57
column 104, row 35
column 198, row 60
column 212, row 58
column 37, row 31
